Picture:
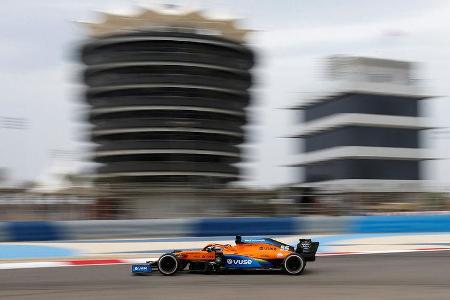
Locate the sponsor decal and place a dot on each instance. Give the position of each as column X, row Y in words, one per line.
column 265, row 248
column 306, row 246
column 239, row 261
column 141, row 268
column 279, row 254
column 254, row 241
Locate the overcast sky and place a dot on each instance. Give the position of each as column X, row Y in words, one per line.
column 39, row 72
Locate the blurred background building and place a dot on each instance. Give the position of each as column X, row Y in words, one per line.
column 363, row 134
column 167, row 92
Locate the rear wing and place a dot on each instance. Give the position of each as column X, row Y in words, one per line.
column 307, row 249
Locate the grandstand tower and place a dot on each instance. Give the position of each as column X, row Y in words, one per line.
column 167, row 93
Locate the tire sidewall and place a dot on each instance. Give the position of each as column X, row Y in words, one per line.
column 292, row 256
column 166, row 256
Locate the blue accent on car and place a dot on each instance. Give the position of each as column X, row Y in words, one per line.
column 244, row 262
column 254, row 240
column 258, row 240
column 143, row 268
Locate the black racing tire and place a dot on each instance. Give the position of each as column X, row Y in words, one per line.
column 294, row 264
column 168, row 264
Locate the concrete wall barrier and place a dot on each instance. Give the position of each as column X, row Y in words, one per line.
column 87, row 229
column 325, row 224
column 4, row 236
column 126, row 228
column 33, row 231
column 246, row 226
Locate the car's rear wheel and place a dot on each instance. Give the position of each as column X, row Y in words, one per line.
column 294, row 264
column 168, row 264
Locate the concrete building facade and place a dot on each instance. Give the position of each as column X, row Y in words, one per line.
column 364, row 133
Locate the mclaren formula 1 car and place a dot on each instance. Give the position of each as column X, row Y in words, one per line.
column 248, row 254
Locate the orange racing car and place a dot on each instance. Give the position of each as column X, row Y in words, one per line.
column 247, row 254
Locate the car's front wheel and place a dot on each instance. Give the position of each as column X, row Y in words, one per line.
column 168, row 264
column 294, row 264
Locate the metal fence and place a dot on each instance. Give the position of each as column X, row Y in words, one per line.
column 204, row 203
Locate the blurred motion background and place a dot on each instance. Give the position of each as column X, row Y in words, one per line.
column 175, row 109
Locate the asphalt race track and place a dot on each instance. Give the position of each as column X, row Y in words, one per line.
column 383, row 276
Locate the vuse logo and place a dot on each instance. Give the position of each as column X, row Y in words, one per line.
column 239, row 261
